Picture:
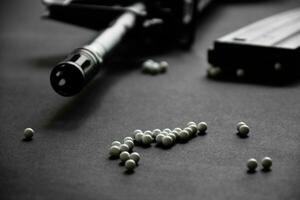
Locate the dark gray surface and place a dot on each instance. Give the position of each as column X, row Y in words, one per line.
column 68, row 158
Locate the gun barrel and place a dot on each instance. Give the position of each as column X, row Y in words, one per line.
column 70, row 76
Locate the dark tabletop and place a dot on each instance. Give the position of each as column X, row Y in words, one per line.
column 68, row 157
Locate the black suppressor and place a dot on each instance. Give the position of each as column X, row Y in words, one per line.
column 71, row 75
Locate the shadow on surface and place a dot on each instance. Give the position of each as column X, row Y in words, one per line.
column 126, row 172
column 265, row 170
column 46, row 61
column 241, row 135
column 287, row 81
column 76, row 109
column 249, row 1
column 250, row 172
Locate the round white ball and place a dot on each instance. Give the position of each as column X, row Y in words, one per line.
column 184, row 135
column 130, row 144
column 194, row 129
column 124, row 156
column 173, row 136
column 239, row 124
column 202, row 127
column 266, row 163
column 191, row 123
column 146, row 66
column 278, row 66
column 159, row 138
column 155, row 132
column 240, row 73
column 114, row 151
column 164, row 133
column 189, row 130
column 115, row 143
column 167, row 141
column 127, row 138
column 130, row 164
column 137, row 131
column 147, row 139
column 163, row 66
column 154, row 69
column 167, row 130
column 148, row 133
column 124, row 147
column 135, row 156
column 28, row 133
column 138, row 137
column 178, row 130
column 252, row 164
column 176, row 134
column 214, row 72
column 244, row 130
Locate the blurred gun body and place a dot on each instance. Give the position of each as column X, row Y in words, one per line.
column 176, row 19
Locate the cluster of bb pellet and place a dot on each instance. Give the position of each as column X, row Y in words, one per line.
column 154, row 68
column 164, row 138
column 266, row 164
column 243, row 131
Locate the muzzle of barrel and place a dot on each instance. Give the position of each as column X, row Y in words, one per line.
column 70, row 76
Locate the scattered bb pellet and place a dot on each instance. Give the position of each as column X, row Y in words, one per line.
column 266, row 163
column 114, row 151
column 163, row 66
column 130, row 164
column 138, row 137
column 166, row 138
column 28, row 133
column 115, row 143
column 244, row 130
column 239, row 124
column 202, row 127
column 147, row 139
column 124, row 147
column 127, row 138
column 135, row 156
column 159, row 138
column 130, row 144
column 124, row 156
column 154, row 68
column 167, row 141
column 252, row 164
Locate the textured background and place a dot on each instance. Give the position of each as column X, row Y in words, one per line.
column 68, row 158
